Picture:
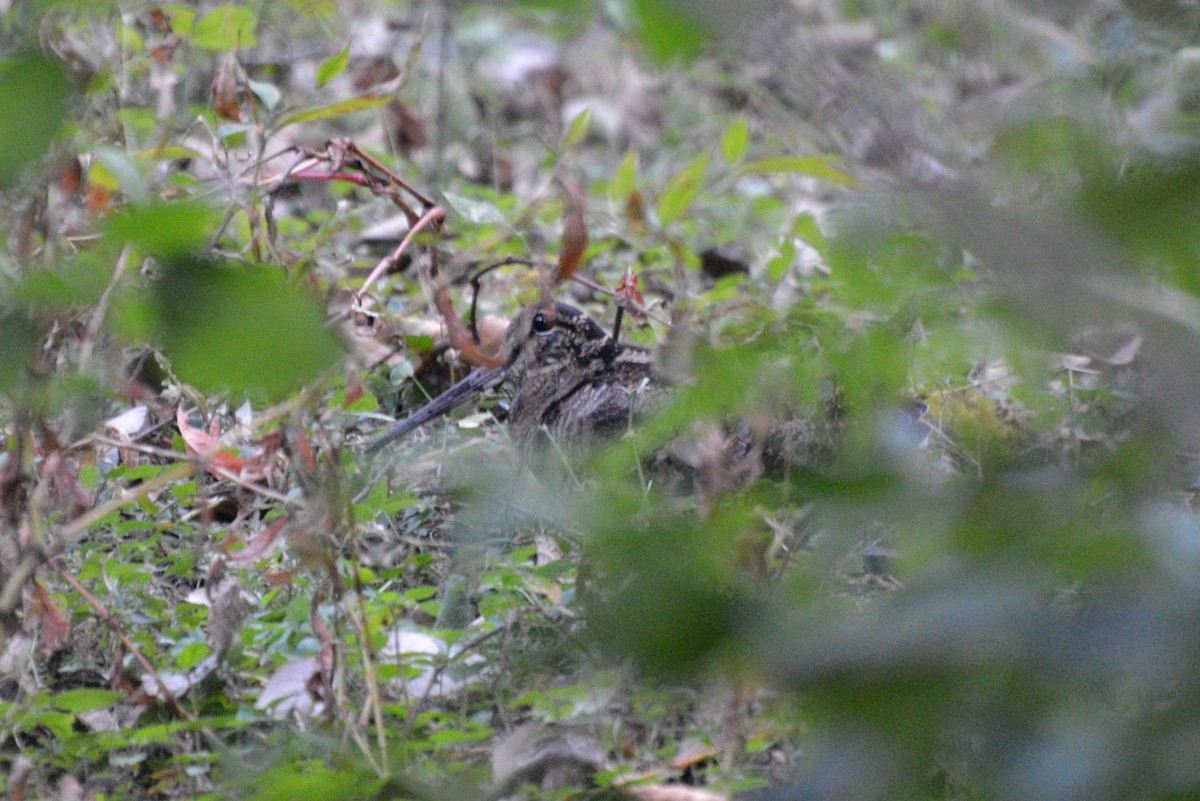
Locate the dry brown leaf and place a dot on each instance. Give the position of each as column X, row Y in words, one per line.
column 98, row 199
column 303, row 450
column 205, row 445
column 53, row 627
column 628, row 289
column 574, row 241
column 227, row 89
column 278, row 577
column 70, row 177
column 409, row 127
column 354, row 390
column 635, row 212
column 320, row 683
column 159, row 21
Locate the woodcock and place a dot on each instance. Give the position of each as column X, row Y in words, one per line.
column 572, row 383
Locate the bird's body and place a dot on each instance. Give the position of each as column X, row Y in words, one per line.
column 572, row 383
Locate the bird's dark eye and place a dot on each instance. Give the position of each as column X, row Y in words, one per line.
column 542, row 323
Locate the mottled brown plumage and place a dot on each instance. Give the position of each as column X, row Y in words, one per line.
column 571, row 383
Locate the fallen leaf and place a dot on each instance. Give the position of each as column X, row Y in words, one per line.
column 205, row 445
column 53, row 627
column 227, row 89
column 286, row 691
column 574, row 241
column 628, row 289
column 257, row 547
column 129, row 423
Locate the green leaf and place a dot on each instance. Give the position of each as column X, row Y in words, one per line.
column 19, row 335
column 140, row 473
column 366, row 402
column 233, row 132
column 807, row 229
column 735, row 140
column 114, row 169
column 813, row 166
column 667, row 33
column 85, row 700
column 579, row 128
column 477, row 211
column 131, row 41
column 624, row 182
column 182, row 16
column 419, row 343
column 168, row 153
column 193, row 654
column 778, row 266
column 338, row 109
column 242, row 330
column 333, row 66
column 267, row 93
column 35, row 96
column 682, row 190
column 317, row 9
column 166, row 230
column 226, row 27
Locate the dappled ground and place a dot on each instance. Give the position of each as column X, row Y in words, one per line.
column 238, row 240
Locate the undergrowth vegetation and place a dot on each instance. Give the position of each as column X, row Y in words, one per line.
column 235, row 235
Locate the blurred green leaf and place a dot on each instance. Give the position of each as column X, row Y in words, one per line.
column 85, row 700
column 579, row 128
column 1151, row 209
column 166, row 230
column 226, row 27
column 680, row 600
column 19, row 335
column 682, row 190
column 475, row 210
column 624, row 182
column 116, row 170
column 321, row 9
column 182, row 16
column 735, row 140
column 333, row 66
column 35, row 98
column 241, row 330
column 338, row 109
column 77, row 281
column 668, row 33
column 1057, row 149
column 812, row 166
column 807, row 229
column 267, row 93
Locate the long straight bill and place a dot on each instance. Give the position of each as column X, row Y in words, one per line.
column 464, row 390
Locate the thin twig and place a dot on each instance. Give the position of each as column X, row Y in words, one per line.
column 93, row 328
column 433, row 215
